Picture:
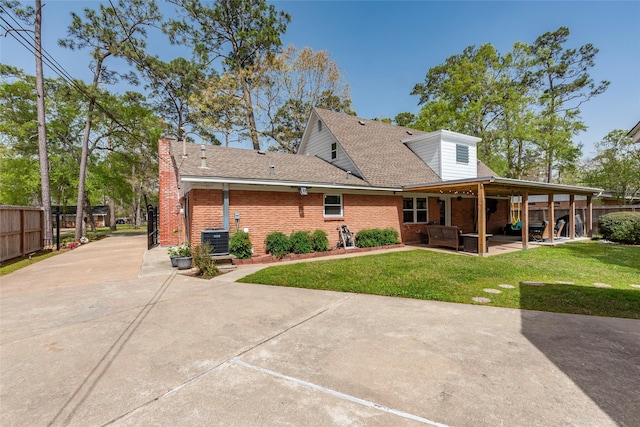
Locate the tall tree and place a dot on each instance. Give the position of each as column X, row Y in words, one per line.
column 111, row 31
column 299, row 80
column 616, row 167
column 171, row 84
column 33, row 16
column 563, row 83
column 237, row 32
column 464, row 95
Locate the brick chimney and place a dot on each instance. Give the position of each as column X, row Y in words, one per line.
column 168, row 195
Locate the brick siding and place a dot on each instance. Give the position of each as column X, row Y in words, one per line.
column 264, row 212
column 168, row 196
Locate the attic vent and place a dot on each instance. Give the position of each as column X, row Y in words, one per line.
column 462, row 153
column 409, row 132
column 361, row 122
column 261, row 152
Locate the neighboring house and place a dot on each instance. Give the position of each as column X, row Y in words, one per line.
column 348, row 170
column 68, row 215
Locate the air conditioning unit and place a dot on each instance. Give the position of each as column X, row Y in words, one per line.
column 218, row 239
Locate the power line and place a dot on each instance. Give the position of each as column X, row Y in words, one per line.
column 58, row 69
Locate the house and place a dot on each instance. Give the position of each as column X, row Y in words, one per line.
column 348, row 170
column 68, row 215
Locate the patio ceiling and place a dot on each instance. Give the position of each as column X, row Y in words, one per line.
column 502, row 187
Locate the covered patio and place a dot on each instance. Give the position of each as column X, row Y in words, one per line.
column 494, row 187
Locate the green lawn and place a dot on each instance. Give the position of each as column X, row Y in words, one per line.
column 17, row 263
column 454, row 278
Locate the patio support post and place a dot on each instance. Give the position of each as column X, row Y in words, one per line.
column 524, row 209
column 589, row 220
column 552, row 216
column 572, row 217
column 482, row 221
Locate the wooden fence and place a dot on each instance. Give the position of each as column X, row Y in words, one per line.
column 21, row 231
column 537, row 214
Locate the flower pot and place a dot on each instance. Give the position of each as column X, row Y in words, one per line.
column 174, row 262
column 184, row 263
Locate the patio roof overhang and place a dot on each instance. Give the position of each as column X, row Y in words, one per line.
column 495, row 186
column 491, row 186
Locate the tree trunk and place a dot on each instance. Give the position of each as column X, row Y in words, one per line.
column 83, row 173
column 42, row 130
column 112, row 215
column 250, row 116
column 85, row 150
column 87, row 208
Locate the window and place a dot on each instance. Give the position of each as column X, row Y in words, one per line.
column 334, row 151
column 414, row 210
column 332, row 205
column 462, row 153
column 319, row 126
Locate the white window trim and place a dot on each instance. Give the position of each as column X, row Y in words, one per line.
column 415, row 209
column 324, row 205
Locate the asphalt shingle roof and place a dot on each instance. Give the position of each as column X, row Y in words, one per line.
column 226, row 162
column 377, row 149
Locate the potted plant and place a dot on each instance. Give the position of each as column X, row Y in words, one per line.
column 184, row 256
column 173, row 255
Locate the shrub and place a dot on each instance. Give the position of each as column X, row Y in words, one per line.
column 389, row 237
column 204, row 261
column 319, row 241
column 622, row 227
column 300, row 242
column 240, row 245
column 277, row 244
column 372, row 237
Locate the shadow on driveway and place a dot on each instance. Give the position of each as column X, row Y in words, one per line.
column 601, row 355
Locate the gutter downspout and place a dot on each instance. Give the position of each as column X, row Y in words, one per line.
column 225, row 206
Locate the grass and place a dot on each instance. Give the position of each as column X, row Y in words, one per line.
column 17, row 263
column 453, row 278
column 105, row 231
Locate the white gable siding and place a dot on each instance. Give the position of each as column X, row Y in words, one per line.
column 319, row 144
column 429, row 153
column 451, row 169
column 438, row 150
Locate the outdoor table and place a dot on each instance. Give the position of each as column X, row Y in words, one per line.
column 470, row 242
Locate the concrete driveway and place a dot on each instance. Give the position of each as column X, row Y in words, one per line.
column 109, row 334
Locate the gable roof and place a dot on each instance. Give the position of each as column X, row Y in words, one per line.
column 242, row 164
column 377, row 149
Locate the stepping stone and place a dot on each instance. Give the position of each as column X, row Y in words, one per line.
column 635, row 286
column 533, row 283
column 492, row 291
column 507, row 286
column 562, row 282
column 482, row 300
column 601, row 285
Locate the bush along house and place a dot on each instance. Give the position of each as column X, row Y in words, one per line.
column 348, row 170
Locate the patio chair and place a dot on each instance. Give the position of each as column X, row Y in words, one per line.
column 558, row 228
column 538, row 232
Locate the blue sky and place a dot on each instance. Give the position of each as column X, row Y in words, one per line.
column 385, row 47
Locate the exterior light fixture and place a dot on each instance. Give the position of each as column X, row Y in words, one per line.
column 303, row 191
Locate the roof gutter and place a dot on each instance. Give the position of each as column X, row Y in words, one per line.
column 218, row 180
